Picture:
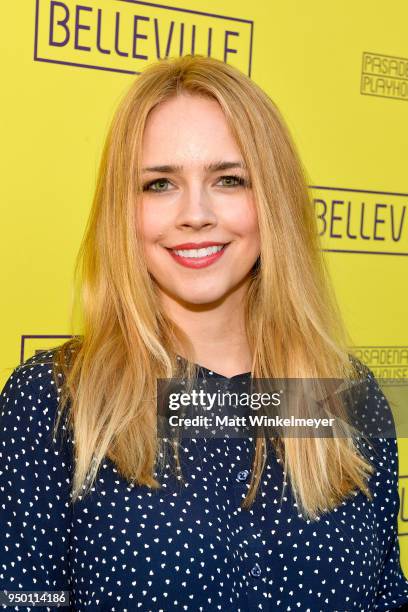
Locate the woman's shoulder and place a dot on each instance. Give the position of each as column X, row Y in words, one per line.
column 36, row 470
column 375, row 419
column 35, row 372
column 29, row 400
column 372, row 410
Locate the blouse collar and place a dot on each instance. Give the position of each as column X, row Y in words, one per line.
column 205, row 372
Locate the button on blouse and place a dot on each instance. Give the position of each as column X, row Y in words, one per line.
column 126, row 547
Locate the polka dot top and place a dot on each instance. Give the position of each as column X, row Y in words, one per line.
column 125, row 547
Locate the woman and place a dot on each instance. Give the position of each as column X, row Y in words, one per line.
column 200, row 260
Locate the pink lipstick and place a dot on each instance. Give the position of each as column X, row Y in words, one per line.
column 197, row 255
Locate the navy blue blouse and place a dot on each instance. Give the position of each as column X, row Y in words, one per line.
column 126, row 547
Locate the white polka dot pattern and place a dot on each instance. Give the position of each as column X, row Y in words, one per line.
column 128, row 548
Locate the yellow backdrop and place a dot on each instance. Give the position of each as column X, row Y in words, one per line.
column 339, row 74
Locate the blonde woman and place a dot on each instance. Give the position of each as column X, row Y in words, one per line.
column 200, row 259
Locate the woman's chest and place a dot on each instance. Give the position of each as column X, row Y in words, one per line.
column 184, row 543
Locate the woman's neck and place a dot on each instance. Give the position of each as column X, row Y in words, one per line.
column 218, row 334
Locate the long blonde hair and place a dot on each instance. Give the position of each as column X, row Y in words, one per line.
column 293, row 321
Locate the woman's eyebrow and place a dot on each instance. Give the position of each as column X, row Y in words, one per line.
column 213, row 167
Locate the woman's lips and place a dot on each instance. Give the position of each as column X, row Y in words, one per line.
column 198, row 262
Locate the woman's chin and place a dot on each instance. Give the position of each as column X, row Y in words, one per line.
column 201, row 298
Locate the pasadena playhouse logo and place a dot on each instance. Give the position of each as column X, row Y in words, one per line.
column 384, row 76
column 386, row 362
column 361, row 221
column 126, row 35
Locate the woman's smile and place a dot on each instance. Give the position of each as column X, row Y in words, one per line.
column 190, row 257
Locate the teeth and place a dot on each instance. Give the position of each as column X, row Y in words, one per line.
column 199, row 252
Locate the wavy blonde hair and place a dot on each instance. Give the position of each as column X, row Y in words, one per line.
column 293, row 321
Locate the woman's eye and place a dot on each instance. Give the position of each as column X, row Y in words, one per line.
column 230, row 181
column 148, row 186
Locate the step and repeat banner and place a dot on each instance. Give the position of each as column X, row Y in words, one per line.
column 338, row 73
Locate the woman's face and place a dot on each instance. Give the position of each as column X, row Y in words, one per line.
column 187, row 201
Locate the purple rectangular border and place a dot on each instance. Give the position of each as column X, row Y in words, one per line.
column 27, row 336
column 170, row 8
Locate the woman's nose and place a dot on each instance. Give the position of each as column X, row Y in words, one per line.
column 196, row 208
